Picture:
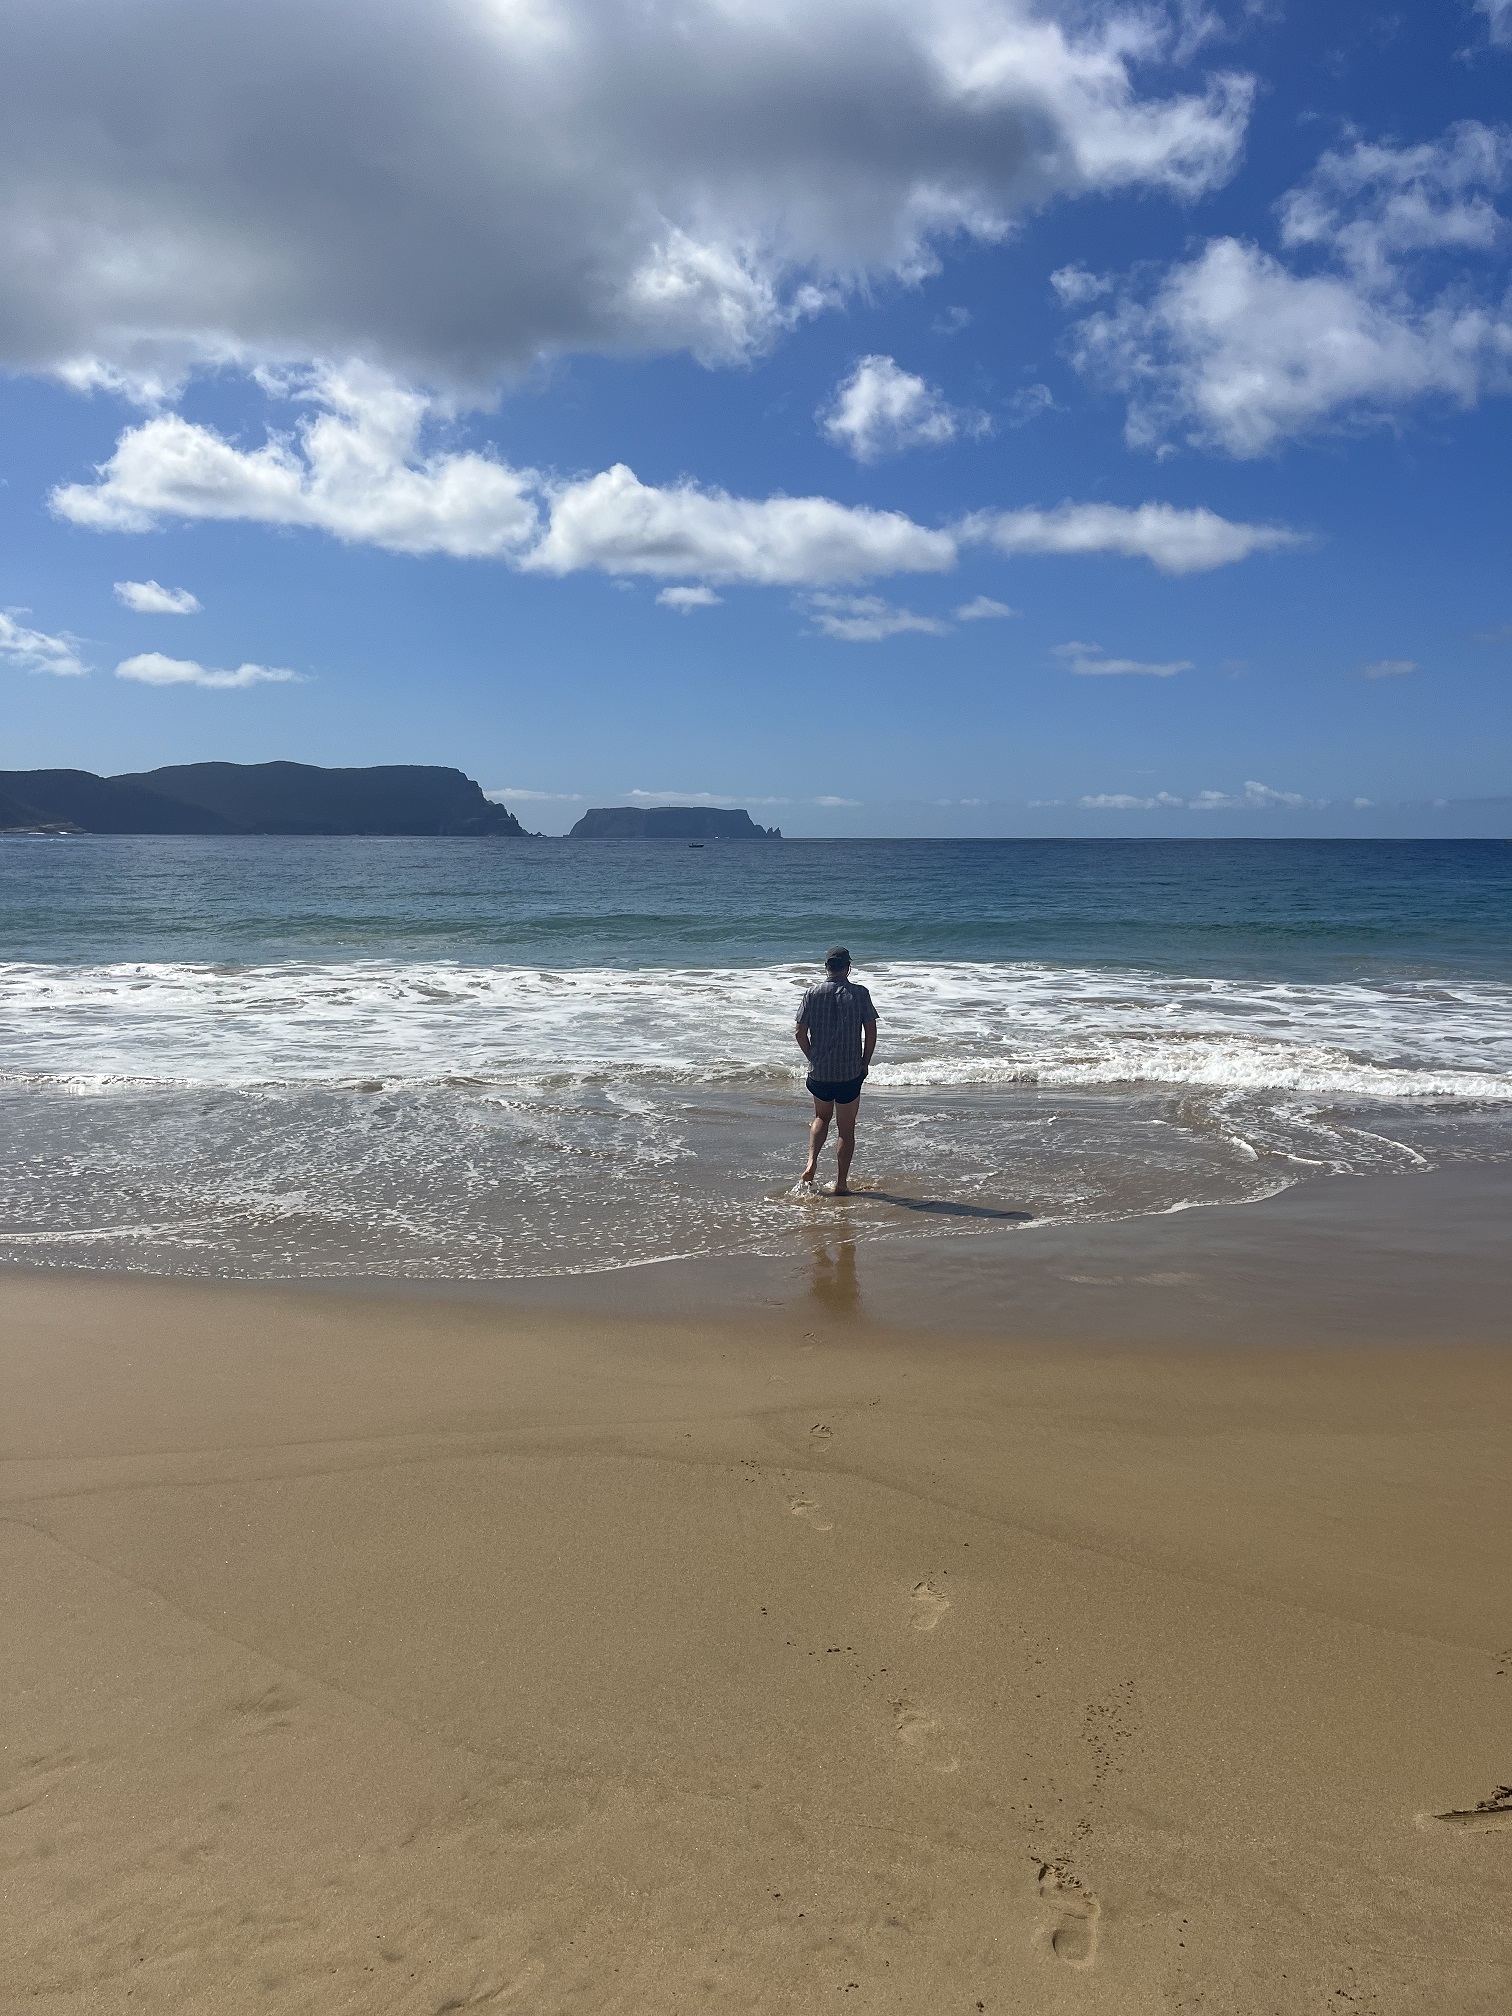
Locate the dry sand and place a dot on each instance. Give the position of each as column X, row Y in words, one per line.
column 367, row 1652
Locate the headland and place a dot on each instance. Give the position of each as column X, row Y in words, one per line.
column 392, row 799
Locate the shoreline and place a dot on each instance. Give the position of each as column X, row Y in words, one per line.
column 1389, row 1254
column 1119, row 1621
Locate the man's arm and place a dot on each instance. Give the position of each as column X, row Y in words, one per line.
column 801, row 1037
column 868, row 1041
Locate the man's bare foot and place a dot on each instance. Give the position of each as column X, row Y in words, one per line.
column 840, row 1190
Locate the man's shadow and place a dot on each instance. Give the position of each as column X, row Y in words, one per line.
column 943, row 1207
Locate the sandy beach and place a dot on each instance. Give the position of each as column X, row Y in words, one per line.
column 1116, row 1619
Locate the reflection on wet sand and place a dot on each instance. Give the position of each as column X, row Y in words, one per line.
column 833, row 1276
column 833, row 1279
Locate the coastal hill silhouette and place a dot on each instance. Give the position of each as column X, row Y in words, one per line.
column 670, row 822
column 386, row 798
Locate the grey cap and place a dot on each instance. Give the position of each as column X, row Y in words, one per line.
column 836, row 957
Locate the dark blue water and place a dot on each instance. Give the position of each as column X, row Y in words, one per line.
column 1287, row 909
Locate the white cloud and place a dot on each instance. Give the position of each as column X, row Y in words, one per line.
column 36, row 651
column 832, row 802
column 1076, row 286
column 725, row 798
column 358, row 466
column 1089, row 661
column 688, row 798
column 508, row 791
column 1176, row 541
column 1253, row 798
column 1121, row 801
column 1028, row 403
column 355, row 470
column 684, row 599
column 615, row 522
column 867, row 619
column 456, row 190
column 881, row 410
column 144, row 387
column 1237, row 350
column 1389, row 668
column 982, row 609
column 1498, row 15
column 151, row 668
column 1375, row 204
column 151, row 598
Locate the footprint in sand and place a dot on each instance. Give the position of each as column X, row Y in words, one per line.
column 805, row 1508
column 33, row 1777
column 1493, row 1815
column 918, row 1733
column 929, row 1606
column 1073, row 1935
column 268, row 1710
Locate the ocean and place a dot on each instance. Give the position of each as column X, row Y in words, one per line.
column 492, row 1059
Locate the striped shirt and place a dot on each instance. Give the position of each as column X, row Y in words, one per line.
column 833, row 1012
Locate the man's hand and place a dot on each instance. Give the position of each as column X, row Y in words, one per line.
column 801, row 1038
column 868, row 1043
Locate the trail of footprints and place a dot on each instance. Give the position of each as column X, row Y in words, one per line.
column 1075, row 1912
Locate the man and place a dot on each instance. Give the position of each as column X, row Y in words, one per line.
column 837, row 1032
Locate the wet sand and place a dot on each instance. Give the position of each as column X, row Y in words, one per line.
column 1115, row 1620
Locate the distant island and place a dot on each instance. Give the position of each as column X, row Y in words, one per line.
column 389, row 798
column 669, row 822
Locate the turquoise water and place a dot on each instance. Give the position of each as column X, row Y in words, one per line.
column 492, row 1058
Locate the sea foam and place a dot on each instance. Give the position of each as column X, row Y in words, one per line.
column 944, row 1024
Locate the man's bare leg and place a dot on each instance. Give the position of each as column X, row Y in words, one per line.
column 845, row 1120
column 818, row 1134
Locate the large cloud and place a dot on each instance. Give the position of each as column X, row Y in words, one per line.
column 1240, row 349
column 454, row 187
column 355, row 470
column 359, row 468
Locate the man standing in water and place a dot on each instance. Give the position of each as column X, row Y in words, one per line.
column 837, row 1032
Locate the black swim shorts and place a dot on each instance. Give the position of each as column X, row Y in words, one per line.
column 842, row 1094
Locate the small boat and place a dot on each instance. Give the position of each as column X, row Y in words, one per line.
column 695, row 843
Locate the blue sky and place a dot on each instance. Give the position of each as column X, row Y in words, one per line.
column 338, row 323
